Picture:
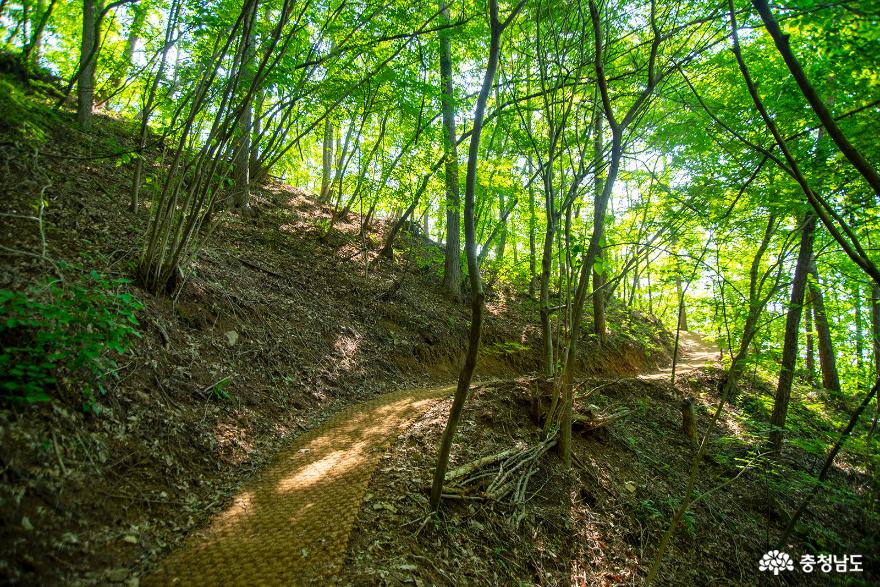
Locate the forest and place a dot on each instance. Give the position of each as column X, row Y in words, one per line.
column 368, row 292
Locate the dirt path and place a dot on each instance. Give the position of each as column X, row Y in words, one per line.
column 291, row 524
column 694, row 353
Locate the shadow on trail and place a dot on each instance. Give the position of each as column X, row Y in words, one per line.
column 292, row 522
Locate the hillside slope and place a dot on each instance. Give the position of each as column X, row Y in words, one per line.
column 285, row 321
column 599, row 523
column 280, row 324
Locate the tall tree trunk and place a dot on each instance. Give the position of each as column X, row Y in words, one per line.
column 502, row 230
column 588, row 263
column 546, row 314
column 327, row 161
column 452, row 265
column 860, row 333
column 599, row 326
column 792, row 328
column 25, row 24
column 635, row 282
column 827, row 360
column 149, row 101
column 242, row 171
column 532, row 229
column 256, row 170
column 875, row 336
column 241, row 192
column 682, row 311
column 467, row 372
column 31, row 53
column 810, row 348
column 88, row 58
column 875, row 327
column 131, row 41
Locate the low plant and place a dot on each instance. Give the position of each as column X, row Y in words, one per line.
column 64, row 333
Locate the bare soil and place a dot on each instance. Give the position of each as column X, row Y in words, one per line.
column 282, row 322
column 599, row 523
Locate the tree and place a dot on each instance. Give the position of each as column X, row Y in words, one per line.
column 240, row 197
column 827, row 359
column 88, row 58
column 30, row 55
column 93, row 14
column 792, row 327
column 451, row 267
column 496, row 28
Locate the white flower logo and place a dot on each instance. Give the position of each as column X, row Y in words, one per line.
column 776, row 561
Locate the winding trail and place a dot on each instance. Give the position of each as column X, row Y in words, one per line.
column 290, row 525
column 694, row 353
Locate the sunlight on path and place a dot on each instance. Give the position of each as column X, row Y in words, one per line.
column 694, row 353
column 290, row 525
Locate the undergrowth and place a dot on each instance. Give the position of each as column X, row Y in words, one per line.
column 64, row 333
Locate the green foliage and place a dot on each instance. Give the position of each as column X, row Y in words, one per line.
column 64, row 331
column 27, row 118
column 648, row 510
column 427, row 259
column 503, row 348
column 218, row 390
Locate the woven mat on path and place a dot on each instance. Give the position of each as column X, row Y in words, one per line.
column 290, row 525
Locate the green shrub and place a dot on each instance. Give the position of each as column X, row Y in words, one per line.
column 25, row 118
column 63, row 332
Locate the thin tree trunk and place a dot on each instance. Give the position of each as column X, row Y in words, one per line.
column 860, row 333
column 464, row 379
column 648, row 277
column 31, row 54
column 147, row 110
column 781, row 40
column 88, row 57
column 635, row 283
column 131, row 41
column 827, row 360
column 875, row 336
column 589, row 259
column 327, row 157
column 257, row 173
column 792, row 327
column 546, row 314
column 498, row 232
column 875, row 327
column 682, row 323
column 809, row 347
column 532, row 230
column 452, row 265
column 242, row 180
column 327, row 161
column 25, row 22
column 599, row 326
column 503, row 213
